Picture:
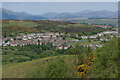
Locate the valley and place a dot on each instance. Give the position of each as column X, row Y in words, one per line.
column 71, row 47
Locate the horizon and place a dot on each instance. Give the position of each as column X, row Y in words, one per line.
column 59, row 12
column 39, row 8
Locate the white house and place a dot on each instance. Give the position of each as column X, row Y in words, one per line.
column 18, row 36
column 25, row 38
column 84, row 37
column 53, row 36
column 11, row 39
column 111, row 32
column 75, row 40
column 95, row 36
column 66, row 47
column 60, row 47
column 13, row 44
column 56, row 34
column 45, row 36
column 29, row 37
column 8, row 43
column 100, row 34
column 5, row 45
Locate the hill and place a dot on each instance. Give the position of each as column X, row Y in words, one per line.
column 104, row 65
column 82, row 14
column 8, row 14
column 113, row 22
column 107, row 62
column 16, row 27
column 38, row 68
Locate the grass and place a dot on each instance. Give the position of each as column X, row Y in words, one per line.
column 98, row 21
column 36, row 68
column 27, row 26
column 70, row 39
column 20, row 23
column 84, row 42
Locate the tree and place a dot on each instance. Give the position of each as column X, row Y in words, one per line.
column 89, row 39
column 73, row 35
column 5, row 35
column 38, row 43
column 51, row 36
column 79, row 34
column 57, row 36
column 64, row 38
column 60, row 35
column 19, row 38
column 7, row 40
column 10, row 35
column 106, row 63
column 14, row 38
column 84, row 33
column 98, row 37
column 79, row 37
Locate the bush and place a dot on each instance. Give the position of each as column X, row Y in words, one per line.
column 58, row 69
column 106, row 63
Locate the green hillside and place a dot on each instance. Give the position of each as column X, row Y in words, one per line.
column 107, row 62
column 11, row 28
column 102, row 63
column 40, row 68
column 112, row 22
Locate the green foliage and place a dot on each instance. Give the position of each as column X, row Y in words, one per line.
column 98, row 37
column 79, row 37
column 57, row 69
column 57, row 36
column 7, row 40
column 106, row 64
column 14, row 38
column 85, row 33
column 64, row 37
column 48, row 53
column 14, row 54
column 19, row 38
column 17, row 27
column 73, row 35
column 98, row 21
column 53, row 67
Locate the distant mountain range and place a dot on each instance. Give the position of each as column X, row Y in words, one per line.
column 83, row 14
column 7, row 14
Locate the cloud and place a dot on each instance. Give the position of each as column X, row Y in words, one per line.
column 60, row 0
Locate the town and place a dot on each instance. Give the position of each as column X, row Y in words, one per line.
column 57, row 39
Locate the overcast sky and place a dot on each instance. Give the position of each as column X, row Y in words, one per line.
column 43, row 7
column 60, row 0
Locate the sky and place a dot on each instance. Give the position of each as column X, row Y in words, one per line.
column 60, row 0
column 38, row 8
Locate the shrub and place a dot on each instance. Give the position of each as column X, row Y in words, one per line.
column 58, row 69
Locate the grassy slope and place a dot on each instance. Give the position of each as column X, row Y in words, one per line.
column 20, row 27
column 98, row 21
column 27, row 69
